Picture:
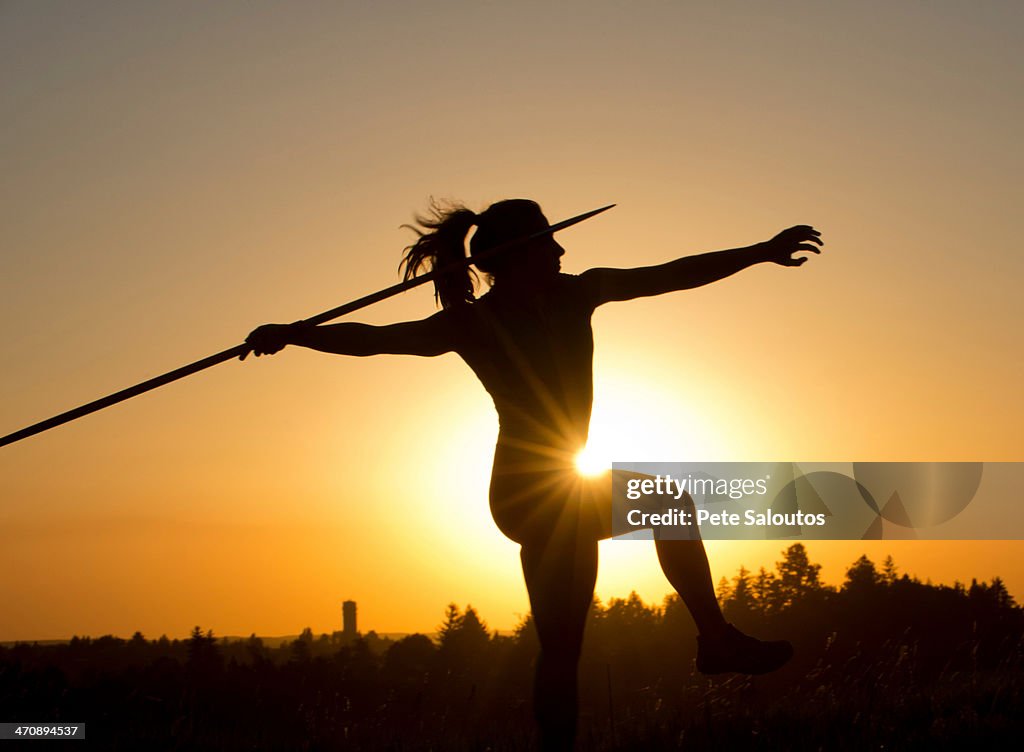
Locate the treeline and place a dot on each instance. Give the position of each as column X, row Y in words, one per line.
column 883, row 658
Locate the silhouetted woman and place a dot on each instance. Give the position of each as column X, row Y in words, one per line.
column 529, row 341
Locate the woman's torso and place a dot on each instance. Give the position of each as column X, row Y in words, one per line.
column 533, row 351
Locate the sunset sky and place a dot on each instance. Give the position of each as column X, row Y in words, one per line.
column 174, row 174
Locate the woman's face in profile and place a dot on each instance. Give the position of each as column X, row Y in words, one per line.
column 545, row 256
column 539, row 260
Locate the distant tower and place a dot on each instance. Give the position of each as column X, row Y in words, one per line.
column 348, row 620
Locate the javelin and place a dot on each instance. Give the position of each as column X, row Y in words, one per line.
column 240, row 350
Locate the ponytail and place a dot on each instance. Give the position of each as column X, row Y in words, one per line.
column 442, row 242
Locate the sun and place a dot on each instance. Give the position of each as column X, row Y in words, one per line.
column 591, row 461
column 642, row 424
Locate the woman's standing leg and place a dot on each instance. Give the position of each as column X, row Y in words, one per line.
column 560, row 575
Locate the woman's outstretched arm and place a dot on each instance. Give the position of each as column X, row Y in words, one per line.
column 606, row 285
column 430, row 336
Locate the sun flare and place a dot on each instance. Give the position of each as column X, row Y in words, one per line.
column 590, row 461
column 632, row 424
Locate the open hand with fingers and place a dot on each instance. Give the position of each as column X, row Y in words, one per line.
column 782, row 247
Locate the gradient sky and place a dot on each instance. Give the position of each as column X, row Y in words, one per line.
column 174, row 174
